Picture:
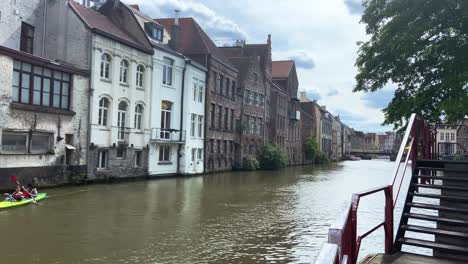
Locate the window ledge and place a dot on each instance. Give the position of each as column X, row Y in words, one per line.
column 140, row 88
column 165, row 163
column 124, row 84
column 106, row 80
column 168, row 86
column 39, row 108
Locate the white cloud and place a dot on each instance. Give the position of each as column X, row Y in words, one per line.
column 302, row 58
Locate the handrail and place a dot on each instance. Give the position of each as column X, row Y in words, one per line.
column 421, row 142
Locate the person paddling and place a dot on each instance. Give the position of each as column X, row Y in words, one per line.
column 30, row 191
column 17, row 195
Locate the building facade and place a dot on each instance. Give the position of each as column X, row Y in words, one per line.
column 447, row 139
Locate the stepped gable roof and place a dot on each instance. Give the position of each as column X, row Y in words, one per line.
column 193, row 39
column 281, row 69
column 102, row 25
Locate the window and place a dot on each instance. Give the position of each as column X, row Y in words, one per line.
column 165, row 153
column 105, row 65
column 200, row 92
column 140, row 73
column 219, row 145
column 255, row 76
column 212, row 146
column 40, row 86
column 225, row 146
column 27, row 38
column 166, row 114
column 447, row 136
column 192, row 125
column 138, row 158
column 262, row 100
column 138, row 116
column 121, row 151
column 121, row 119
column 124, row 71
column 233, row 89
column 220, row 117
column 167, row 71
column 226, row 119
column 103, row 111
column 215, row 79
column 231, row 146
column 194, row 89
column 14, row 142
column 194, row 151
column 442, row 136
column 200, row 126
column 102, row 159
column 221, row 81
column 227, row 87
column 200, row 154
column 247, row 97
column 212, row 116
column 232, row 119
column 154, row 31
column 452, row 136
column 254, row 100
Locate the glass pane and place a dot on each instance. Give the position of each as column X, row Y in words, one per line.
column 25, row 96
column 15, row 94
column 57, row 75
column 17, row 65
column 56, row 102
column 64, row 88
column 66, row 77
column 40, row 143
column 16, row 78
column 38, row 70
column 64, row 102
column 25, row 80
column 26, row 67
column 37, row 98
column 37, row 83
column 56, row 87
column 14, row 142
column 46, row 87
column 47, row 72
column 46, row 99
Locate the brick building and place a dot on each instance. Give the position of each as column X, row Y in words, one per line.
column 222, row 102
column 285, row 76
column 254, row 64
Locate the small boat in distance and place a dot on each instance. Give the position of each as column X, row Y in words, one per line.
column 8, row 204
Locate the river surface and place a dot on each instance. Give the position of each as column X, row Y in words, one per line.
column 235, row 217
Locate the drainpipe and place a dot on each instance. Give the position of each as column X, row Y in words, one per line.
column 181, row 115
column 207, row 82
column 90, row 101
column 44, row 28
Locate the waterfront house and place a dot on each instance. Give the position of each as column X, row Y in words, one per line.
column 325, row 132
column 336, row 138
column 254, row 64
column 462, row 137
column 285, row 76
column 43, row 99
column 119, row 58
column 447, row 139
column 221, row 97
column 177, row 102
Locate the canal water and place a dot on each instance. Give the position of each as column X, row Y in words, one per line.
column 235, row 217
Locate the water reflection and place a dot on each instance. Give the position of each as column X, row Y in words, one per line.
column 256, row 217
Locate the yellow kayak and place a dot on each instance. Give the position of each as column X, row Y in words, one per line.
column 8, row 204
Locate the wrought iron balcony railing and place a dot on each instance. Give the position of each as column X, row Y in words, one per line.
column 168, row 135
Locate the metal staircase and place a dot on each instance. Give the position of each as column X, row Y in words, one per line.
column 443, row 188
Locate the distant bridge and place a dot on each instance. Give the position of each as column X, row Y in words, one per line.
column 358, row 152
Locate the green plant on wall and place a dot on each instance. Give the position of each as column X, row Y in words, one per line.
column 273, row 157
column 311, row 148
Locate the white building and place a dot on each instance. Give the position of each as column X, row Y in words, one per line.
column 447, row 139
column 177, row 106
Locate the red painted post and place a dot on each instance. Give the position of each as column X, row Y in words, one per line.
column 388, row 220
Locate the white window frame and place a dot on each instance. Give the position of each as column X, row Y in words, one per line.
column 138, row 122
column 27, row 139
column 102, row 159
column 199, row 154
column 121, row 120
column 163, row 156
column 124, row 70
column 194, row 150
column 193, row 120
column 168, row 71
column 106, row 66
column 201, row 87
column 194, row 89
column 103, row 113
column 140, row 154
column 200, row 126
column 140, row 74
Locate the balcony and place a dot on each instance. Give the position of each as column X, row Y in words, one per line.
column 295, row 115
column 167, row 135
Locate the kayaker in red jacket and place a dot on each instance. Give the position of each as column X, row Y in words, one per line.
column 17, row 195
column 29, row 192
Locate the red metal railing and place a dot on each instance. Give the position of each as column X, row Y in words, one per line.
column 418, row 142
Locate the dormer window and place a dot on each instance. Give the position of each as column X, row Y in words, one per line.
column 154, row 31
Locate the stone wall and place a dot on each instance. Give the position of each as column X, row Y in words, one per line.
column 117, row 167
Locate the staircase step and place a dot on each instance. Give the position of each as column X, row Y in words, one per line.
column 442, row 169
column 444, row 178
column 434, row 231
column 438, row 219
column 433, row 245
column 441, row 197
column 438, row 208
column 441, row 187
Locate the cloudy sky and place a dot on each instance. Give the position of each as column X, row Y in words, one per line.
column 320, row 35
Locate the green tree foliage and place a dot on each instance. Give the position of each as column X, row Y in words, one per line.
column 251, row 164
column 273, row 157
column 422, row 47
column 311, row 148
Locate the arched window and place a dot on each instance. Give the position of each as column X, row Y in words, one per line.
column 103, row 111
column 139, row 116
column 105, row 65
column 124, row 71
column 121, row 119
column 139, row 76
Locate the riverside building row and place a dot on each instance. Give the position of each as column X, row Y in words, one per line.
column 108, row 92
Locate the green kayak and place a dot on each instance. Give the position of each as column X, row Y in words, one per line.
column 7, row 204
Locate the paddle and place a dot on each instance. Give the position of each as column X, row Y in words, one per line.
column 14, row 179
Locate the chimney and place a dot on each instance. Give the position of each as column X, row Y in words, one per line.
column 269, row 39
column 115, row 3
column 175, row 33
